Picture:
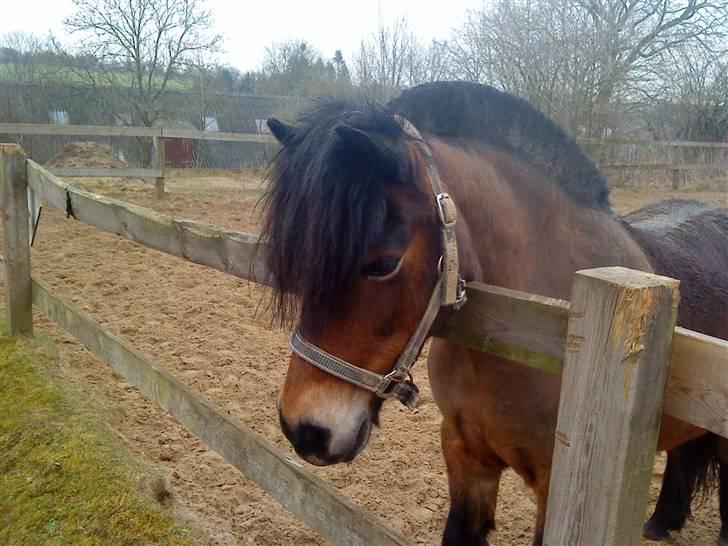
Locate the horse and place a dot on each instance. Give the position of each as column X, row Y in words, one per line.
column 376, row 215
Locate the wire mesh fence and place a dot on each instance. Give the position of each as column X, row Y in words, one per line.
column 640, row 163
column 56, row 104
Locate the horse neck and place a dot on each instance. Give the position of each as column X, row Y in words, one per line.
column 518, row 230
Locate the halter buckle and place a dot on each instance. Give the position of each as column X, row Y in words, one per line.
column 396, row 376
column 462, row 296
column 400, row 385
column 446, row 210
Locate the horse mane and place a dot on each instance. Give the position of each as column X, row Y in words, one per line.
column 326, row 202
column 482, row 113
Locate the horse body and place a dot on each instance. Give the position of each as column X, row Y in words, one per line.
column 354, row 237
column 512, row 238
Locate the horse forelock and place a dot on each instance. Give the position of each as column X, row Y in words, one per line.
column 323, row 210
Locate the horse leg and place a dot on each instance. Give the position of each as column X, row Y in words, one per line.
column 690, row 469
column 723, row 489
column 473, row 478
column 673, row 504
column 541, row 489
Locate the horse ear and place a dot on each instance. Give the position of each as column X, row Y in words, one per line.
column 362, row 147
column 280, row 130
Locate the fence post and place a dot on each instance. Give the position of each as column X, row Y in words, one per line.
column 16, row 240
column 159, row 163
column 615, row 365
column 675, row 168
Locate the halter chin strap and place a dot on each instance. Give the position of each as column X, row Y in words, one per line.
column 449, row 291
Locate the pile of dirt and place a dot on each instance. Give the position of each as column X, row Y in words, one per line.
column 86, row 154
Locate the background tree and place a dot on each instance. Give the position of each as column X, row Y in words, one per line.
column 385, row 61
column 137, row 47
column 692, row 101
column 581, row 61
column 393, row 58
column 294, row 67
column 25, row 56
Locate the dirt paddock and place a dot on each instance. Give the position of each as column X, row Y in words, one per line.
column 209, row 330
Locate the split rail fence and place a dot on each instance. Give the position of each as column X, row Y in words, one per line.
column 611, row 344
column 614, row 155
column 157, row 134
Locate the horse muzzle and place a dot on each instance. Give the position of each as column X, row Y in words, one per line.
column 321, row 446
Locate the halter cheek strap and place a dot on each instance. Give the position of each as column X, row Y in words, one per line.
column 448, row 291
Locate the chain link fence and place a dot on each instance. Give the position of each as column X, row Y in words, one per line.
column 73, row 105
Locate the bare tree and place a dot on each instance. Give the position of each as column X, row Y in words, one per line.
column 692, row 103
column 580, row 60
column 21, row 55
column 391, row 59
column 136, row 47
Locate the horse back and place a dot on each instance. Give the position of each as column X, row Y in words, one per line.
column 688, row 240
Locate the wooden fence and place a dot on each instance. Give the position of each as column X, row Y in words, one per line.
column 157, row 134
column 674, row 163
column 676, row 159
column 612, row 345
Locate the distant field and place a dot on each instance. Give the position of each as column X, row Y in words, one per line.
column 68, row 76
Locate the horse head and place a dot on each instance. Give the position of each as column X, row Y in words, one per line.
column 352, row 234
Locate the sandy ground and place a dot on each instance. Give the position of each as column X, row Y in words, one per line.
column 209, row 330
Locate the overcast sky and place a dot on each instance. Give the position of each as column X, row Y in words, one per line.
column 249, row 26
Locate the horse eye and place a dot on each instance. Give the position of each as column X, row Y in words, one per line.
column 380, row 268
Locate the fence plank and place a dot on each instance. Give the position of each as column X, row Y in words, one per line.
column 620, row 332
column 113, row 130
column 531, row 330
column 16, row 239
column 216, row 135
column 648, row 142
column 159, row 163
column 96, row 172
column 523, row 327
column 697, row 381
column 77, row 130
column 666, row 167
column 229, row 251
column 317, row 503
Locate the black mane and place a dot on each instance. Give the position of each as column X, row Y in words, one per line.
column 326, row 203
column 482, row 113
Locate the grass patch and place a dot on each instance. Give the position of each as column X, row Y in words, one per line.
column 62, row 478
column 65, row 75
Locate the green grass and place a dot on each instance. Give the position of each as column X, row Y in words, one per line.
column 62, row 478
column 67, row 76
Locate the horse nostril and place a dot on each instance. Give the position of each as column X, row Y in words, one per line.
column 311, row 439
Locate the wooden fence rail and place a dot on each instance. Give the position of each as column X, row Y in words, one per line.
column 157, row 134
column 225, row 250
column 658, row 143
column 317, row 503
column 118, row 131
column 522, row 327
column 168, row 132
column 160, row 133
column 613, row 382
column 526, row 328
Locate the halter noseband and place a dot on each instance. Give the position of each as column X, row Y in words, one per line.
column 449, row 291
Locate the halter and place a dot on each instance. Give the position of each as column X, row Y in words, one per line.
column 449, row 291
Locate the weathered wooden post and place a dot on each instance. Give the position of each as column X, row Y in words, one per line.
column 16, row 240
column 615, row 365
column 159, row 163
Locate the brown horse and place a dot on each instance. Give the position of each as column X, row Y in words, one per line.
column 353, row 248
